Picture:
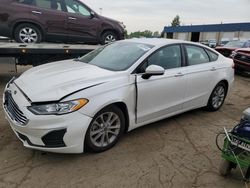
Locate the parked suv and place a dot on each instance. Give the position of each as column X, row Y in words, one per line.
column 33, row 21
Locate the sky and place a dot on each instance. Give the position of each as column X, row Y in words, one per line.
column 155, row 14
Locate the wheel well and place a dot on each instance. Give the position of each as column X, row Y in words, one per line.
column 25, row 22
column 124, row 109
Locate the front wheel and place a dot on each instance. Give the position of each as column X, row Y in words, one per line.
column 105, row 129
column 217, row 97
column 108, row 37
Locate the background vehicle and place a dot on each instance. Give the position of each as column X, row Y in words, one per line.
column 33, row 21
column 224, row 41
column 88, row 103
column 229, row 47
column 212, row 43
column 242, row 60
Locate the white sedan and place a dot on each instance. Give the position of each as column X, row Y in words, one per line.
column 88, row 103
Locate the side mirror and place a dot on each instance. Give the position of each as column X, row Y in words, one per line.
column 92, row 14
column 153, row 70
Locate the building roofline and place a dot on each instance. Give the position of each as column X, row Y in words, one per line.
column 227, row 27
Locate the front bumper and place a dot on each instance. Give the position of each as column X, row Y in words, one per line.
column 52, row 133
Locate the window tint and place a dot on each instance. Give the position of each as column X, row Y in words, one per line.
column 49, row 4
column 196, row 55
column 213, row 56
column 77, row 8
column 168, row 57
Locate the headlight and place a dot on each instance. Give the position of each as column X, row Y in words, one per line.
column 58, row 108
column 122, row 25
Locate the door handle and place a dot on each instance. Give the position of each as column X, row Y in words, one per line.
column 71, row 18
column 179, row 74
column 213, row 69
column 36, row 12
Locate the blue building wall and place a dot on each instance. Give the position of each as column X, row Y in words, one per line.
column 230, row 27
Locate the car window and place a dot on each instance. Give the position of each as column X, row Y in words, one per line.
column 213, row 56
column 76, row 8
column 196, row 55
column 168, row 57
column 116, row 56
column 49, row 4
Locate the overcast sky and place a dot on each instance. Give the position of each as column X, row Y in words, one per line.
column 155, row 14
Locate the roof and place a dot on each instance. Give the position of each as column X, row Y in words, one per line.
column 229, row 27
column 153, row 41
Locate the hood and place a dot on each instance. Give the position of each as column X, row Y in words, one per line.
column 108, row 19
column 244, row 50
column 225, row 48
column 52, row 82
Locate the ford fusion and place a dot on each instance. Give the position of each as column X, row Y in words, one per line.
column 88, row 103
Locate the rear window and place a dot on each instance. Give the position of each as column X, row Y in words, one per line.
column 213, row 56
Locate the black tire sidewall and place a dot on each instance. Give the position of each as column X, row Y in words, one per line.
column 19, row 27
column 104, row 35
column 89, row 145
column 210, row 106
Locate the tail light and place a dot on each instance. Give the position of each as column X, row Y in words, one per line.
column 233, row 66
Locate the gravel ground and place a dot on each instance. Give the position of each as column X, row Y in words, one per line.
column 176, row 152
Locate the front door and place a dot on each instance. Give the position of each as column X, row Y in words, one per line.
column 162, row 96
column 81, row 23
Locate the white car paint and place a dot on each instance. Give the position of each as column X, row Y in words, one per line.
column 177, row 91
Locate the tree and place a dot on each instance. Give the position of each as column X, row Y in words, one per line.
column 156, row 34
column 176, row 21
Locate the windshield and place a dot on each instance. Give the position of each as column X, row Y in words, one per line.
column 117, row 56
column 235, row 44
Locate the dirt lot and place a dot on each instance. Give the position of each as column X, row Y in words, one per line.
column 176, row 152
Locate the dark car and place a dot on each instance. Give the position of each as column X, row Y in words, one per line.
column 33, row 21
column 229, row 47
column 242, row 60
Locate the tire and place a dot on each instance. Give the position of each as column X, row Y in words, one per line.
column 108, row 37
column 27, row 33
column 225, row 167
column 102, row 135
column 217, row 97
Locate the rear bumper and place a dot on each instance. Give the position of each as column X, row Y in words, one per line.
column 5, row 31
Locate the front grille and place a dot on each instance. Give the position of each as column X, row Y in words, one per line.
column 242, row 57
column 13, row 110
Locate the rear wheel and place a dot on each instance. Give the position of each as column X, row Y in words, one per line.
column 217, row 97
column 27, row 33
column 105, row 129
column 108, row 37
column 226, row 167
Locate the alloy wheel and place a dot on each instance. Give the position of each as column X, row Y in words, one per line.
column 105, row 129
column 218, row 96
column 109, row 39
column 28, row 35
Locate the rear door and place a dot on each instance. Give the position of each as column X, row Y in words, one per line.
column 201, row 76
column 51, row 15
column 81, row 24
